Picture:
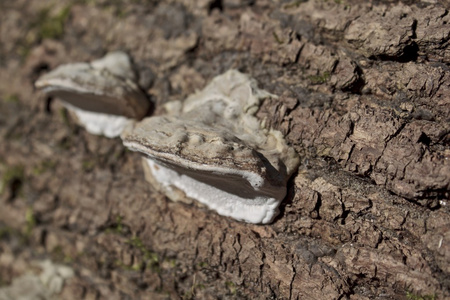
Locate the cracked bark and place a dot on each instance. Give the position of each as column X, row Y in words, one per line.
column 364, row 98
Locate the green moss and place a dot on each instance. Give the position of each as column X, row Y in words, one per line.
column 51, row 26
column 30, row 222
column 65, row 143
column 14, row 135
column 88, row 165
column 319, row 79
column 203, row 264
column 277, row 38
column 45, row 24
column 412, row 296
column 23, row 50
column 187, row 296
column 57, row 253
column 64, row 115
column 68, row 259
column 117, row 227
column 13, row 175
column 231, row 287
column 5, row 232
column 44, row 166
column 12, row 234
column 151, row 259
column 195, row 287
column 121, row 12
column 294, row 4
column 13, row 98
column 172, row 262
column 136, row 242
column 135, row 267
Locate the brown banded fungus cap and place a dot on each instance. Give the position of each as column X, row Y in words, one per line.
column 214, row 150
column 102, row 94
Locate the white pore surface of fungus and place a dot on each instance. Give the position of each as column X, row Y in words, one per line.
column 214, row 150
column 110, row 126
column 102, row 93
column 255, row 209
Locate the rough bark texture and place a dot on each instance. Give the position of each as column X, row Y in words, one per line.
column 364, row 92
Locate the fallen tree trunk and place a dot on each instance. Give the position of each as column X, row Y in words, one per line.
column 364, row 97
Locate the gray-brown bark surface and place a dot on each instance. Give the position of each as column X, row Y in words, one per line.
column 364, row 98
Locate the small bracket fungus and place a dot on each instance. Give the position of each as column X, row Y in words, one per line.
column 214, row 150
column 102, row 94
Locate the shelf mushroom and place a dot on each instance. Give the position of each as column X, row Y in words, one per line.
column 214, row 150
column 102, row 94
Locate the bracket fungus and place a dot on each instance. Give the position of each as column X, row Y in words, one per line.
column 102, row 94
column 214, row 150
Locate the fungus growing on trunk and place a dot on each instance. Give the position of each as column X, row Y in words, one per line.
column 214, row 150
column 102, row 94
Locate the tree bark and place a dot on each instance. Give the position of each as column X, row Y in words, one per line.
column 364, row 97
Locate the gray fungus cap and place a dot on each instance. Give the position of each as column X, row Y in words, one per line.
column 215, row 151
column 103, row 86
